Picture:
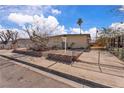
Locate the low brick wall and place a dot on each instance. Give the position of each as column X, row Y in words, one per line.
column 63, row 58
column 53, row 55
column 28, row 52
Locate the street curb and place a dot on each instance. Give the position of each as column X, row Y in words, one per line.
column 52, row 76
column 59, row 74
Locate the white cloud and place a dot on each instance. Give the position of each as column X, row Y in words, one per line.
column 61, row 30
column 117, row 25
column 55, row 11
column 28, row 10
column 122, row 8
column 20, row 18
column 50, row 23
column 46, row 24
column 91, row 31
column 114, row 24
column 76, row 31
column 32, row 14
column 25, row 9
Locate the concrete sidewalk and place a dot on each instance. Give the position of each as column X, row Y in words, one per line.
column 110, row 72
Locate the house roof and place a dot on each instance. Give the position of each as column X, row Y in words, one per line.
column 88, row 35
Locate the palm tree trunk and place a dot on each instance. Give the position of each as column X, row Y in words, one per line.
column 80, row 29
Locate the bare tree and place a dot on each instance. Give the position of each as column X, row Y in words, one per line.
column 104, row 36
column 39, row 37
column 5, row 37
column 13, row 38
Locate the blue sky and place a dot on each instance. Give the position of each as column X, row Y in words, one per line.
column 93, row 16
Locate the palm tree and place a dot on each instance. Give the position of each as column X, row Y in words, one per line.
column 79, row 22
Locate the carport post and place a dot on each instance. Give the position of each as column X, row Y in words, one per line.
column 65, row 40
column 99, row 60
column 65, row 45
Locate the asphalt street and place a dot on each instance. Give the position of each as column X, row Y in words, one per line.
column 15, row 76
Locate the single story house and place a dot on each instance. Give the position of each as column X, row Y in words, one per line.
column 72, row 41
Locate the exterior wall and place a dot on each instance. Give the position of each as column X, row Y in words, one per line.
column 78, row 41
column 55, row 42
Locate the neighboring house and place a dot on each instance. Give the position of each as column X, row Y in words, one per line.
column 7, row 46
column 72, row 41
column 24, row 43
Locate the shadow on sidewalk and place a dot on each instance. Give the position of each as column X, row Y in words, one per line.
column 101, row 65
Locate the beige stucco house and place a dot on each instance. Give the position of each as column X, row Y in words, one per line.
column 72, row 41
